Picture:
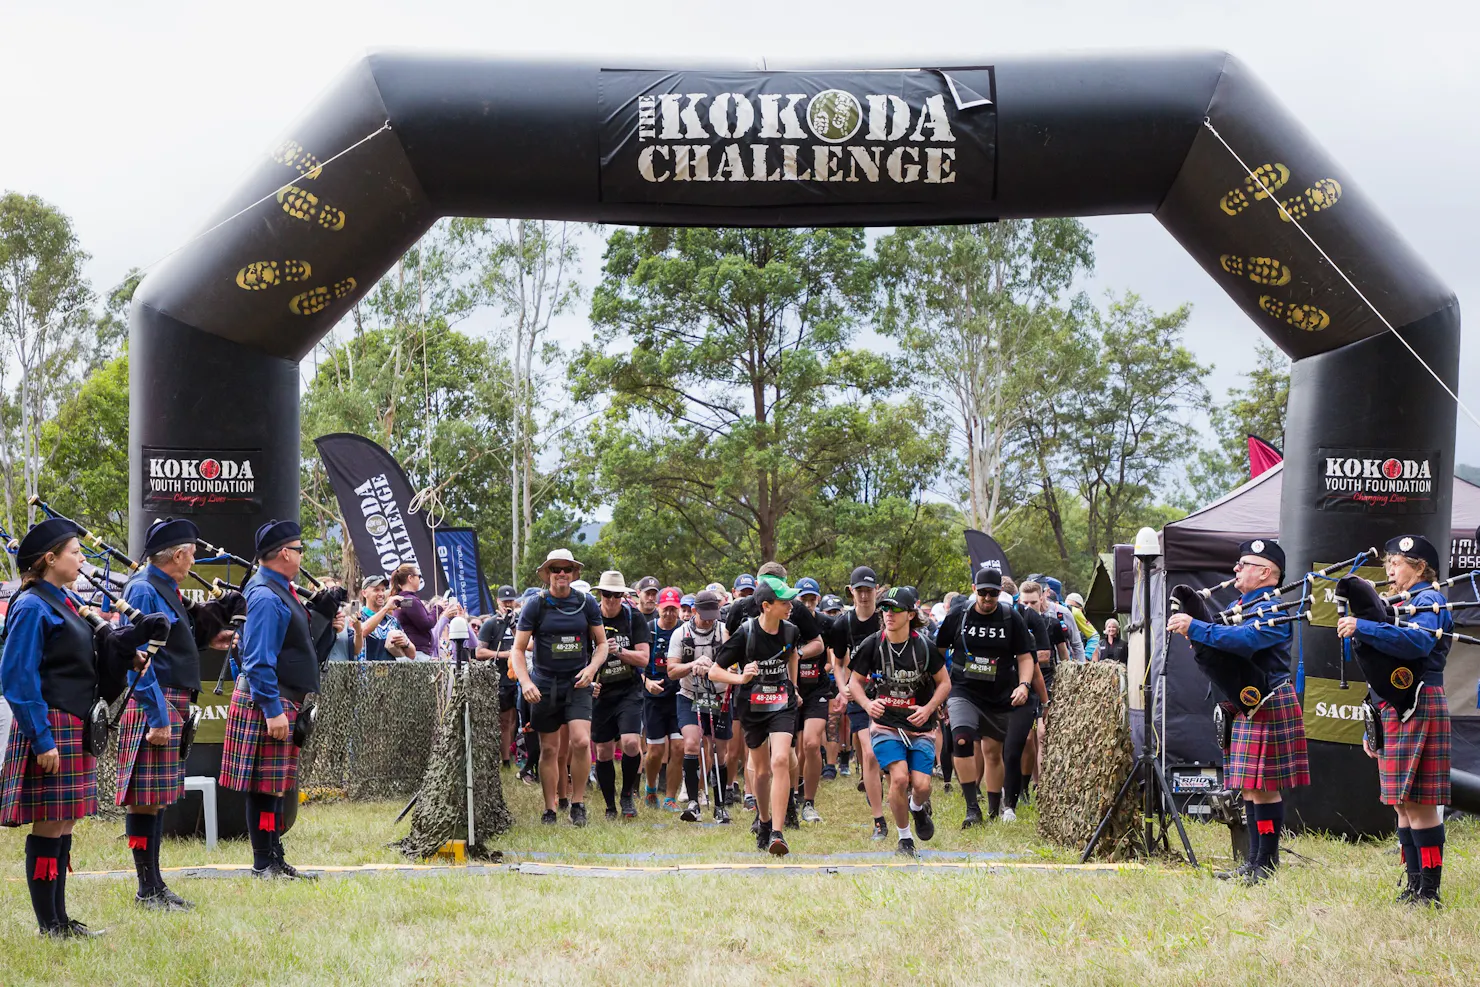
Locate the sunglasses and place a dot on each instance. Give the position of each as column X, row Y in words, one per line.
column 561, row 570
column 994, row 593
column 611, row 596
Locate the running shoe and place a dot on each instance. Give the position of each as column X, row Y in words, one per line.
column 721, row 815
column 881, row 831
column 548, row 818
column 690, row 812
column 792, row 822
column 906, row 848
column 809, row 813
column 749, row 803
column 973, row 817
column 829, row 772
column 778, row 845
column 733, row 794
column 1008, row 815
column 564, row 804
column 670, row 805
column 629, row 807
column 611, row 813
column 651, row 798
column 578, row 813
column 924, row 825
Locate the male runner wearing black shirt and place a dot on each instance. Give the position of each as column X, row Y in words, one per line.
column 764, row 648
column 818, row 695
column 618, row 708
column 991, row 672
column 1020, row 723
column 849, row 630
column 495, row 643
column 913, row 683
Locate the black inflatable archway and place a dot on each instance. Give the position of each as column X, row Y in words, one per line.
column 217, row 331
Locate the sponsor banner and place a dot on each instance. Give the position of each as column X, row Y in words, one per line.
column 1323, row 595
column 213, row 710
column 457, row 551
column 1377, row 481
column 984, row 550
column 799, row 138
column 201, row 481
column 375, row 498
column 1332, row 713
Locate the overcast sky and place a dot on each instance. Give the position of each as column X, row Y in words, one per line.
column 136, row 119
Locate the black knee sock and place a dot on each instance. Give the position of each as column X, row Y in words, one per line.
column 631, row 772
column 1430, row 845
column 261, row 824
column 64, row 864
column 994, row 804
column 1269, row 820
column 662, row 774
column 159, row 884
column 140, row 831
column 724, row 778
column 972, row 791
column 1410, row 856
column 1251, row 824
column 42, row 868
column 277, row 829
column 606, row 779
column 691, row 775
column 531, row 752
column 947, row 765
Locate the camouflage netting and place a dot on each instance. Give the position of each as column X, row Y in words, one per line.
column 375, row 728
column 441, row 812
column 1086, row 756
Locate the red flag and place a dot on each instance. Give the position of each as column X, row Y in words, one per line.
column 1262, row 457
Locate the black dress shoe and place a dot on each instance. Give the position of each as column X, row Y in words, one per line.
column 74, row 929
column 174, row 899
column 157, row 902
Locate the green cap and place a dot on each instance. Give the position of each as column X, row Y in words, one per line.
column 773, row 588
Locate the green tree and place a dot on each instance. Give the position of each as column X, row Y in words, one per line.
column 87, row 477
column 1257, row 408
column 730, row 341
column 968, row 305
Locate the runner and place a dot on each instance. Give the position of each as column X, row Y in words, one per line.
column 618, row 707
column 1035, row 598
column 817, row 695
column 1020, row 723
column 765, row 650
column 913, row 685
column 985, row 686
column 702, row 707
column 495, row 643
column 686, row 608
column 660, row 704
column 647, row 597
column 837, row 745
column 849, row 630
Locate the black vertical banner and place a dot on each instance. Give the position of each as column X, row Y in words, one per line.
column 375, row 498
column 984, row 550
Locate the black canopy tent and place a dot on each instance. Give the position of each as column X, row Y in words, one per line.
column 1200, row 551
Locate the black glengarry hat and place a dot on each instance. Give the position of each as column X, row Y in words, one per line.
column 42, row 538
column 1414, row 547
column 275, row 534
column 1267, row 549
column 168, row 533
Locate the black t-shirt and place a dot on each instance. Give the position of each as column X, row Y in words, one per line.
column 563, row 636
column 772, row 690
column 497, row 634
column 807, row 623
column 985, row 649
column 657, row 667
column 627, row 629
column 907, row 675
column 1114, row 651
column 1056, row 636
column 846, row 631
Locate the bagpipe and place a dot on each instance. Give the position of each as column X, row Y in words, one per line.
column 1235, row 614
column 1243, row 683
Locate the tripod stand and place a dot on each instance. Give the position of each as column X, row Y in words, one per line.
column 1156, row 795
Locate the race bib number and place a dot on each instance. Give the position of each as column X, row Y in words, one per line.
column 768, row 695
column 615, row 670
column 567, row 646
column 809, row 673
column 981, row 669
column 706, row 701
column 896, row 699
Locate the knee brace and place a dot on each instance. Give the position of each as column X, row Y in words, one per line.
column 965, row 739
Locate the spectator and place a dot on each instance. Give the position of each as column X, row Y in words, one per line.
column 376, row 620
column 1112, row 647
column 416, row 620
column 1075, row 603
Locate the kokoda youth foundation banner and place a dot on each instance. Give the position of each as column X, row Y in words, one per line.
column 800, row 138
column 457, row 551
column 375, row 498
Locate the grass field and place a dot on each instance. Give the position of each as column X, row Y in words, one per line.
column 1330, row 921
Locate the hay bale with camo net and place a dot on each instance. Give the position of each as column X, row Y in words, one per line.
column 1086, row 756
column 441, row 812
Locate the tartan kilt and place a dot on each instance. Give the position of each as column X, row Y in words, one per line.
column 251, row 761
column 29, row 795
column 150, row 775
column 1267, row 752
column 1414, row 764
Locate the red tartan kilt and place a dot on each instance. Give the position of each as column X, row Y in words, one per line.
column 1267, row 752
column 251, row 761
column 28, row 795
column 1414, row 765
column 150, row 775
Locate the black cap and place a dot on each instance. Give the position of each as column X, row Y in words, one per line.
column 1414, row 547
column 44, row 537
column 507, row 593
column 275, row 534
column 900, row 598
column 169, row 533
column 988, row 576
column 862, row 576
column 706, row 604
column 1265, row 548
column 830, row 604
column 646, row 583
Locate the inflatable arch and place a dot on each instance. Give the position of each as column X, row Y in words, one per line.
column 223, row 323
